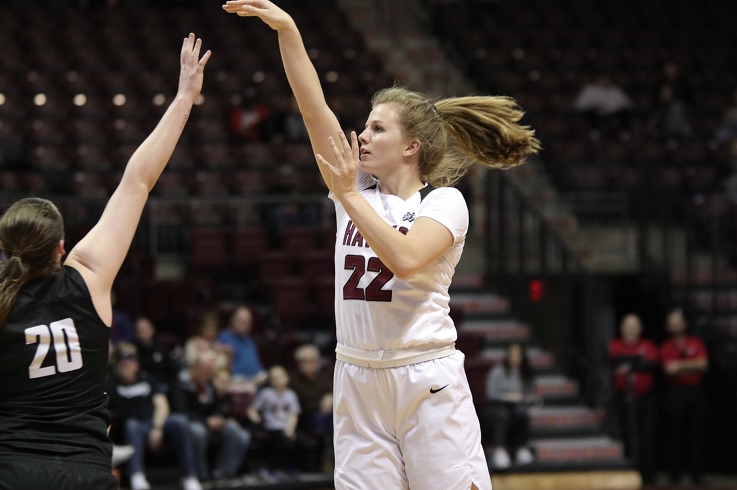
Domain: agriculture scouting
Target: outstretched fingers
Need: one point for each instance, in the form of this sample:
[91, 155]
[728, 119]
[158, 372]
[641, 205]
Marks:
[203, 61]
[326, 164]
[241, 7]
[191, 48]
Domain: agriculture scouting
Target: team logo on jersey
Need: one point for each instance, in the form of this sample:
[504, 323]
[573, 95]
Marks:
[409, 217]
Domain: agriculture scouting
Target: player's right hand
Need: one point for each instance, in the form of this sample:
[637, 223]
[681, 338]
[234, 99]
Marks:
[269, 13]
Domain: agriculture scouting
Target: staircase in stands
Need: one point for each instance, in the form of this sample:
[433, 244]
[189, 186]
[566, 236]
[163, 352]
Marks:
[566, 434]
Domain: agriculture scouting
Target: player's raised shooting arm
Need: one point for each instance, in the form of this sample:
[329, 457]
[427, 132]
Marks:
[319, 119]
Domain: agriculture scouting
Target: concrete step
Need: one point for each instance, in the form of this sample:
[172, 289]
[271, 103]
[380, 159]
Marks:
[588, 449]
[504, 330]
[565, 419]
[540, 359]
[556, 386]
[480, 303]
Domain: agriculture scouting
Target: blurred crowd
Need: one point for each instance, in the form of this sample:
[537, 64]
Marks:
[211, 405]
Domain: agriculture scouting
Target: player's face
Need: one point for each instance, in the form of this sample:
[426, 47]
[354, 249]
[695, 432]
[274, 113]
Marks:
[382, 142]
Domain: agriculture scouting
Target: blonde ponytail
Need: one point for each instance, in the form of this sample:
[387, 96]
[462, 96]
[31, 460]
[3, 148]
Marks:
[458, 132]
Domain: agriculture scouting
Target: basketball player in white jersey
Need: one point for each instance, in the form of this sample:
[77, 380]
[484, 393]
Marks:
[404, 417]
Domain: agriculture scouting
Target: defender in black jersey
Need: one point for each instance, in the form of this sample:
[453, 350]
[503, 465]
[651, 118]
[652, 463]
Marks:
[54, 319]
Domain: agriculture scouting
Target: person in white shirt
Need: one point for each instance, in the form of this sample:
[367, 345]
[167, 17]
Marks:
[403, 412]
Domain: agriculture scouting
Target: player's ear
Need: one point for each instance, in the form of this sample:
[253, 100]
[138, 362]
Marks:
[60, 248]
[412, 148]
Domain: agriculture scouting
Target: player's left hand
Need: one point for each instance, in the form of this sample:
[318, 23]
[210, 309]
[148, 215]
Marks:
[345, 168]
[192, 67]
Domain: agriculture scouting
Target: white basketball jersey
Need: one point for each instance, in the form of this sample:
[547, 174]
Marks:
[375, 310]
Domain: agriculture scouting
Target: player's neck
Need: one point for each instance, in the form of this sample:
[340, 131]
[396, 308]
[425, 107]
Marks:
[402, 188]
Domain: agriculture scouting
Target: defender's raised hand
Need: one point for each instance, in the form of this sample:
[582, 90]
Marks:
[192, 67]
[269, 13]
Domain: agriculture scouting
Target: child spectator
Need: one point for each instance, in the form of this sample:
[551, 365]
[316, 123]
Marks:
[277, 408]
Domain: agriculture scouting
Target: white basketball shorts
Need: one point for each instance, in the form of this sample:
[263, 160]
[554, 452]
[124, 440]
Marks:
[408, 427]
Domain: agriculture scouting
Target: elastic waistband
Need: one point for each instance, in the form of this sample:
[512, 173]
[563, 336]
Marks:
[75, 460]
[382, 359]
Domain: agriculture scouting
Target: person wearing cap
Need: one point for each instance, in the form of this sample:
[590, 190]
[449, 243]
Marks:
[141, 411]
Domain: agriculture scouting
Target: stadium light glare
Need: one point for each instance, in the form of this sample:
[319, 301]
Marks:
[39, 99]
[119, 100]
[80, 100]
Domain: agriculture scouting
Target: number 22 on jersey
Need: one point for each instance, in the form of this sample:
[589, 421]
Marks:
[374, 291]
[68, 353]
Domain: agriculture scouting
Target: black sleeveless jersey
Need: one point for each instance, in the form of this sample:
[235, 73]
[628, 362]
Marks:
[53, 365]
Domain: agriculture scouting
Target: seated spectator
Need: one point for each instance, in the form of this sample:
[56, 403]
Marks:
[286, 122]
[196, 396]
[671, 76]
[634, 361]
[122, 329]
[153, 357]
[727, 131]
[206, 340]
[685, 360]
[668, 118]
[142, 412]
[509, 388]
[314, 388]
[605, 105]
[246, 364]
[277, 409]
[247, 117]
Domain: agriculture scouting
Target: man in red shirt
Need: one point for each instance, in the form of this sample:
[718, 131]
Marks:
[685, 360]
[634, 361]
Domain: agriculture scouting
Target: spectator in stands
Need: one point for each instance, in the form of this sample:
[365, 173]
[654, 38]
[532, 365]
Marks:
[142, 413]
[277, 409]
[313, 385]
[727, 131]
[196, 396]
[153, 357]
[729, 170]
[123, 328]
[671, 76]
[634, 361]
[605, 106]
[668, 118]
[246, 361]
[225, 401]
[286, 124]
[247, 118]
[685, 360]
[509, 388]
[206, 340]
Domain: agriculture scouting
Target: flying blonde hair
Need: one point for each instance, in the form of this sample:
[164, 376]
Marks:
[457, 132]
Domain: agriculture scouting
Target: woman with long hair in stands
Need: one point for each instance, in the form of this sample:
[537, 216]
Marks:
[404, 416]
[55, 319]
